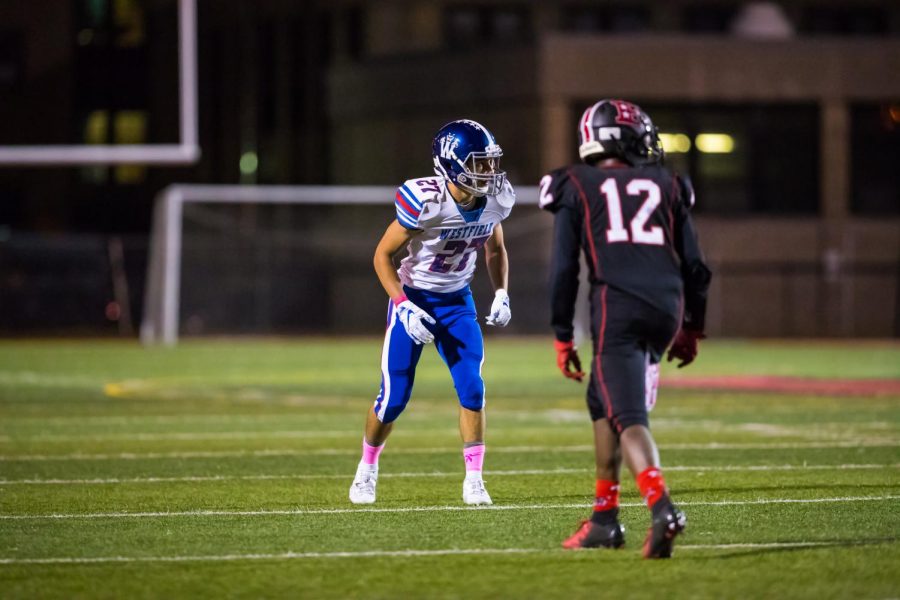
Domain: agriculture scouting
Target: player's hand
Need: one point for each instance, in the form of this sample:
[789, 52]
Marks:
[500, 314]
[684, 348]
[413, 320]
[566, 356]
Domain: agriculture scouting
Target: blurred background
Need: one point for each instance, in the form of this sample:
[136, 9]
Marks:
[786, 115]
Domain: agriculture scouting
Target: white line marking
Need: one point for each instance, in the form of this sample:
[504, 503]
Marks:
[195, 436]
[761, 429]
[871, 443]
[382, 553]
[414, 509]
[563, 471]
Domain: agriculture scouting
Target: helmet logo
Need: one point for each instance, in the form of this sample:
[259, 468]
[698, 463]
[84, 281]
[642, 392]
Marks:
[448, 147]
[627, 113]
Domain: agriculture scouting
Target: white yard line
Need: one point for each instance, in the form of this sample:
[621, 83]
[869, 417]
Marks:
[764, 430]
[383, 475]
[415, 509]
[872, 443]
[379, 553]
[195, 436]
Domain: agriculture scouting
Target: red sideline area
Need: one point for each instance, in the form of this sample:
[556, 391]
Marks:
[787, 385]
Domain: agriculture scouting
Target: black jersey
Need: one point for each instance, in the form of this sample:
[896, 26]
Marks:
[634, 226]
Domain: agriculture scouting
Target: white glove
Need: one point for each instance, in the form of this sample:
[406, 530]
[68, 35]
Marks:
[500, 314]
[411, 317]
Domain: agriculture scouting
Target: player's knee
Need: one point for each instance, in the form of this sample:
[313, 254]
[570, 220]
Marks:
[629, 418]
[471, 395]
[473, 403]
[393, 398]
[390, 414]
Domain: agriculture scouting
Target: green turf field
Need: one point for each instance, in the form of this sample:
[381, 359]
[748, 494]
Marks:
[221, 469]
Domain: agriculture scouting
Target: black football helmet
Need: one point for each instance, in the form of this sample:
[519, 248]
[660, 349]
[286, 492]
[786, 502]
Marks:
[618, 129]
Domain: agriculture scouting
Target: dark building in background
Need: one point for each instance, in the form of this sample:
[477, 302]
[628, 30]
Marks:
[786, 115]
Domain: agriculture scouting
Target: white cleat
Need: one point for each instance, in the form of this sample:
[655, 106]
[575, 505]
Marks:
[475, 493]
[362, 491]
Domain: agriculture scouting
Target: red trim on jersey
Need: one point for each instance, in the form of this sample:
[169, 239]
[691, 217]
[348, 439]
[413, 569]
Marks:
[600, 380]
[597, 270]
[676, 197]
[406, 205]
[587, 222]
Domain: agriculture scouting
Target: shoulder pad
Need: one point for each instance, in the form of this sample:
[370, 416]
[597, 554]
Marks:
[552, 188]
[412, 196]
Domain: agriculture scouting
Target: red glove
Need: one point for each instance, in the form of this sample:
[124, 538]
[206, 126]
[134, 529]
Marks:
[567, 355]
[684, 348]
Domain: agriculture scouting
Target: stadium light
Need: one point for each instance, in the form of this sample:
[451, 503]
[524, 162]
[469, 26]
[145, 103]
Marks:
[249, 163]
[714, 143]
[675, 142]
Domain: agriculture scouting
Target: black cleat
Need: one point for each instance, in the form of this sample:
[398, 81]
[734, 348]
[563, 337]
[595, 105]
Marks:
[661, 537]
[592, 535]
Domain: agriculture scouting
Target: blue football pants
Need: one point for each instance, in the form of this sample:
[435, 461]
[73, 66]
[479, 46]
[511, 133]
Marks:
[457, 338]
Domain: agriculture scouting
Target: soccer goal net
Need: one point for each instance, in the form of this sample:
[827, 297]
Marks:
[273, 260]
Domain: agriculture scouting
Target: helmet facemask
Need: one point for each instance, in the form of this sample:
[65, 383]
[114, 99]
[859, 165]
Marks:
[480, 172]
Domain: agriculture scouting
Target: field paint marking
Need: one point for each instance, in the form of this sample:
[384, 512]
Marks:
[198, 436]
[414, 509]
[764, 430]
[563, 471]
[877, 443]
[379, 553]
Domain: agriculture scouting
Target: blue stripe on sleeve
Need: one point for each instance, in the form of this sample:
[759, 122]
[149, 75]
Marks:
[405, 220]
[411, 198]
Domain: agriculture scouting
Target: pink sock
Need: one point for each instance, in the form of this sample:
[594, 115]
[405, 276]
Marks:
[474, 457]
[371, 453]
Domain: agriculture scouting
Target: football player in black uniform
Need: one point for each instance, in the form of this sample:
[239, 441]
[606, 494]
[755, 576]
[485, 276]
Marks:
[630, 216]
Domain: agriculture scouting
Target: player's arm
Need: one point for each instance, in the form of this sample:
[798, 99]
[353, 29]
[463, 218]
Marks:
[395, 237]
[696, 276]
[413, 318]
[563, 274]
[564, 271]
[498, 269]
[694, 271]
[497, 260]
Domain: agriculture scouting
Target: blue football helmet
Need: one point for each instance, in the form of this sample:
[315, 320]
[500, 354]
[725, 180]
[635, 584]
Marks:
[467, 154]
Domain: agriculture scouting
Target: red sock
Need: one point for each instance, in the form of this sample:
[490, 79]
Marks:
[653, 487]
[607, 495]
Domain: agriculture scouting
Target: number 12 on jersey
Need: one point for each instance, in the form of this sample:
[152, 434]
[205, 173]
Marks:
[640, 233]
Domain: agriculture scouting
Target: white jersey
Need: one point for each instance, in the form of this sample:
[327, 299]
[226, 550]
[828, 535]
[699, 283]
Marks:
[442, 257]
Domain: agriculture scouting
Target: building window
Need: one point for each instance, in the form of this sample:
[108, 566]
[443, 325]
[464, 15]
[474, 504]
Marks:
[584, 18]
[475, 25]
[874, 156]
[115, 127]
[744, 159]
[708, 18]
[845, 20]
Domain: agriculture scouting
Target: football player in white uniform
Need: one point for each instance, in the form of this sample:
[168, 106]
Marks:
[442, 220]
